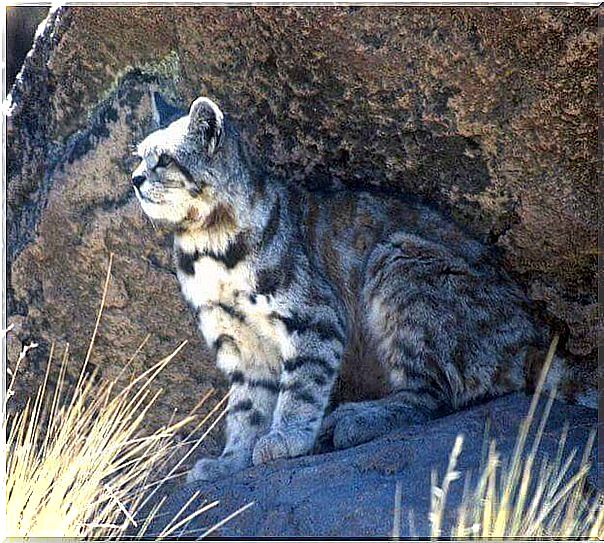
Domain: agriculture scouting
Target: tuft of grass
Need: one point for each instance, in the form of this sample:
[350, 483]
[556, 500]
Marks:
[523, 497]
[77, 467]
[78, 464]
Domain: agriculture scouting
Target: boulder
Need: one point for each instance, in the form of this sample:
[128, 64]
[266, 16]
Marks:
[21, 25]
[487, 113]
[351, 493]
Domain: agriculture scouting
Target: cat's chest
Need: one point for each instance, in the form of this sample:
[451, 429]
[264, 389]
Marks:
[205, 281]
[225, 303]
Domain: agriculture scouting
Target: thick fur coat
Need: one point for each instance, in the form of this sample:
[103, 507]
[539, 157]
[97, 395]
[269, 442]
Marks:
[286, 284]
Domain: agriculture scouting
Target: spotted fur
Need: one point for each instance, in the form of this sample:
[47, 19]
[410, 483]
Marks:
[286, 284]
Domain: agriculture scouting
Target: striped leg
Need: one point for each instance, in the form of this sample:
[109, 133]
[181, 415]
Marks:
[306, 382]
[251, 402]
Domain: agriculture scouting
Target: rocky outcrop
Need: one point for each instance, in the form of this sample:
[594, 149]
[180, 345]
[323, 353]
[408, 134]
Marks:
[487, 113]
[21, 25]
[351, 493]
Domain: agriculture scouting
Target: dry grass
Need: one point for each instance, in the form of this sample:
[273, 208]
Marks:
[523, 497]
[78, 464]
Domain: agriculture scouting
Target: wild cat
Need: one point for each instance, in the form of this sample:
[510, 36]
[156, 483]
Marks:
[286, 284]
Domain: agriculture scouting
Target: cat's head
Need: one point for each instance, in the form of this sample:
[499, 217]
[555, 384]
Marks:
[184, 170]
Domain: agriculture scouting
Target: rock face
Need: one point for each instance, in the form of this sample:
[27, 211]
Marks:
[21, 25]
[351, 493]
[487, 113]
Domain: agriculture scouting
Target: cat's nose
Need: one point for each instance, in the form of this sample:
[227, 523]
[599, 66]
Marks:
[138, 180]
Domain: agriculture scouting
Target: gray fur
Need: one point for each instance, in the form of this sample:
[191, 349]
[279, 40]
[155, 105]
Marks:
[284, 281]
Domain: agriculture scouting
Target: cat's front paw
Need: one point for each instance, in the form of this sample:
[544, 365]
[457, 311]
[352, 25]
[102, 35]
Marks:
[283, 443]
[270, 447]
[212, 469]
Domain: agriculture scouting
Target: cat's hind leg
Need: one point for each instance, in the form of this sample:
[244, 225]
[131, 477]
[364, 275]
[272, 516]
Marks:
[355, 423]
[446, 331]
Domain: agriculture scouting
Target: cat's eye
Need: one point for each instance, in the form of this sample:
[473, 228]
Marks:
[164, 161]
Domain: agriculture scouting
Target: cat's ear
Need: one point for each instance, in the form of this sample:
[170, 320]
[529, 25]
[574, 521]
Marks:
[163, 112]
[207, 121]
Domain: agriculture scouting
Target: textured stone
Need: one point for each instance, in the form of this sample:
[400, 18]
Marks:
[487, 113]
[351, 493]
[21, 25]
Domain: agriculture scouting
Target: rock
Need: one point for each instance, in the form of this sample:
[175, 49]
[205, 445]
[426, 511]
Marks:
[494, 124]
[13, 345]
[21, 25]
[351, 493]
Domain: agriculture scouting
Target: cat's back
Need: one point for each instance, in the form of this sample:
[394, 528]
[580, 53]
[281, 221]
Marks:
[343, 227]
